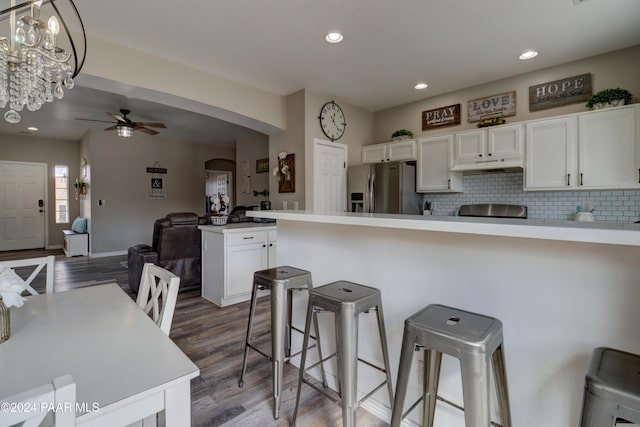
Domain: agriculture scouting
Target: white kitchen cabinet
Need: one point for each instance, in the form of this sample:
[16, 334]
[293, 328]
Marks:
[230, 256]
[433, 174]
[389, 152]
[586, 151]
[551, 154]
[608, 148]
[494, 147]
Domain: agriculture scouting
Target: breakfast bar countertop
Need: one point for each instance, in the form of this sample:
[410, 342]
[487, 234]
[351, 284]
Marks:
[570, 231]
[238, 227]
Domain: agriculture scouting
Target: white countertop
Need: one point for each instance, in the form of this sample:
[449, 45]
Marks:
[572, 231]
[237, 227]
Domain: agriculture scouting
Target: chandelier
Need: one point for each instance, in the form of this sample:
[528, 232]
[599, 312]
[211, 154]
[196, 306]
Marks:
[39, 58]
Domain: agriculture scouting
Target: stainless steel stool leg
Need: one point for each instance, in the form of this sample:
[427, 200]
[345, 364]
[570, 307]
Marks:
[278, 333]
[303, 357]
[320, 357]
[385, 351]
[432, 364]
[346, 324]
[500, 376]
[406, 355]
[247, 342]
[597, 412]
[476, 390]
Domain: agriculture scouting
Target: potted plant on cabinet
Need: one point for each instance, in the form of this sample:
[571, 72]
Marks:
[609, 98]
[402, 134]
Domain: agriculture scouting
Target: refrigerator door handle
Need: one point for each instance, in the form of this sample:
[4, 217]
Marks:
[372, 199]
[366, 207]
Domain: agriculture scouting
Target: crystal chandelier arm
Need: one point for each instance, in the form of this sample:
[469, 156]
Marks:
[77, 67]
[53, 57]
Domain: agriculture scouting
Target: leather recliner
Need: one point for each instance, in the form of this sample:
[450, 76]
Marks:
[176, 247]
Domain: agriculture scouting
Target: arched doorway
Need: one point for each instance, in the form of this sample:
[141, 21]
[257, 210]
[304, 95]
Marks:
[220, 178]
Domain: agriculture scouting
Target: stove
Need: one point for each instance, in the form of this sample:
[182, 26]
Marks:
[494, 210]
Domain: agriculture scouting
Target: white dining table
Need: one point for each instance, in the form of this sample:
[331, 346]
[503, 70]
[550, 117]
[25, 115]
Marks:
[125, 368]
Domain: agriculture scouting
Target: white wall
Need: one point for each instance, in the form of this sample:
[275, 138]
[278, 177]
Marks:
[557, 302]
[119, 177]
[619, 68]
[250, 148]
[52, 152]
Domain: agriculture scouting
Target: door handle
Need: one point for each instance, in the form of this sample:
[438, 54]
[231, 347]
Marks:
[568, 179]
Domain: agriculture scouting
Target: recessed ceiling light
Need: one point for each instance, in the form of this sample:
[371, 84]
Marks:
[32, 128]
[334, 37]
[421, 86]
[528, 55]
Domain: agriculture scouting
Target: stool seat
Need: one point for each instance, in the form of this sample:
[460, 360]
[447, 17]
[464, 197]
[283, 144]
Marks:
[612, 388]
[476, 340]
[347, 300]
[280, 281]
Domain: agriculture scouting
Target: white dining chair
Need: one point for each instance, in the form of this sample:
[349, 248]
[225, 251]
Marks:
[39, 263]
[158, 294]
[32, 406]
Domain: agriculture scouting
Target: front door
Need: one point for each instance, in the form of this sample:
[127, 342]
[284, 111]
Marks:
[22, 205]
[330, 176]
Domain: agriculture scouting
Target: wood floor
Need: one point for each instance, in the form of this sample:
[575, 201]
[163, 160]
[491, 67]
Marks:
[213, 338]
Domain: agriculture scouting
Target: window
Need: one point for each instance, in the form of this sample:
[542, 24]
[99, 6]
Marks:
[62, 194]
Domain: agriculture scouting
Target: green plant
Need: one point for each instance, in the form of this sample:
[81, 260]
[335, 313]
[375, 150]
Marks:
[607, 95]
[402, 132]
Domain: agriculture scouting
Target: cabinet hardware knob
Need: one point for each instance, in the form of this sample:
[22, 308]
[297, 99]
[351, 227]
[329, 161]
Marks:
[568, 179]
[479, 155]
[581, 183]
[449, 184]
[248, 238]
[264, 246]
[489, 154]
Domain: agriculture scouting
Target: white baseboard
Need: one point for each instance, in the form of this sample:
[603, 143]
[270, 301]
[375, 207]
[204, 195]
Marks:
[106, 254]
[54, 247]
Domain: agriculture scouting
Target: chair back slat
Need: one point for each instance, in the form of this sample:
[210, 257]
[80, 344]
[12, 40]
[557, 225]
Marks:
[60, 393]
[39, 263]
[158, 294]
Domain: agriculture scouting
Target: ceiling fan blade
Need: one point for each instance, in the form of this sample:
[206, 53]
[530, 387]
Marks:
[93, 120]
[117, 117]
[153, 125]
[112, 127]
[145, 130]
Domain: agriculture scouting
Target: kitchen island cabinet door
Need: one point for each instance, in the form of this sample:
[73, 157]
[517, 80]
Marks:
[551, 154]
[240, 264]
[433, 167]
[608, 149]
[229, 261]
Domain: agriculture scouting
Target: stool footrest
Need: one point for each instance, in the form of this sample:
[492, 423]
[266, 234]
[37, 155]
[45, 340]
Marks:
[334, 396]
[443, 400]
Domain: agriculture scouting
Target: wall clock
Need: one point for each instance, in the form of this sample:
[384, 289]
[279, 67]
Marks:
[332, 120]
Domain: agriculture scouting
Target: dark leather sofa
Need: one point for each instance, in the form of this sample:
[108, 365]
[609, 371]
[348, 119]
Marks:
[176, 247]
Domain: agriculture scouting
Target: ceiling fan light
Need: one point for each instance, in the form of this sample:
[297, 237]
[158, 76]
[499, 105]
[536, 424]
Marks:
[124, 131]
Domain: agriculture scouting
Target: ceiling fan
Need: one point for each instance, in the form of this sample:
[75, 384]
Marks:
[125, 126]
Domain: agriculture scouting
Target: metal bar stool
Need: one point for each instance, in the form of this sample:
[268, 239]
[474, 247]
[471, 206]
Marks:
[474, 339]
[612, 388]
[281, 281]
[346, 300]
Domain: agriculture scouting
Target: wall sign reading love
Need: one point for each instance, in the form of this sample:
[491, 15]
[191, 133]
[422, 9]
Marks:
[504, 104]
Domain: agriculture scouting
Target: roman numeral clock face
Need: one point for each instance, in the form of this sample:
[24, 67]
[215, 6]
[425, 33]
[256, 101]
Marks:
[332, 121]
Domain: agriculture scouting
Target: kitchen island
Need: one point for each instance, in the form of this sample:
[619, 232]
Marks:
[230, 255]
[560, 289]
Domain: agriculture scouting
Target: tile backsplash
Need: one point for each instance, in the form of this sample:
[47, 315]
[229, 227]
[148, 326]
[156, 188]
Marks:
[506, 188]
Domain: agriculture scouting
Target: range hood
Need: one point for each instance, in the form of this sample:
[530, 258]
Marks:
[497, 165]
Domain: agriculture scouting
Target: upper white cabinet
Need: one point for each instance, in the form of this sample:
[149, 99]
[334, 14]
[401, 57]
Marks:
[389, 152]
[594, 150]
[433, 169]
[552, 154]
[500, 146]
[608, 149]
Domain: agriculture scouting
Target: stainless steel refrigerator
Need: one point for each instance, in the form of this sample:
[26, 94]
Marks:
[383, 188]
